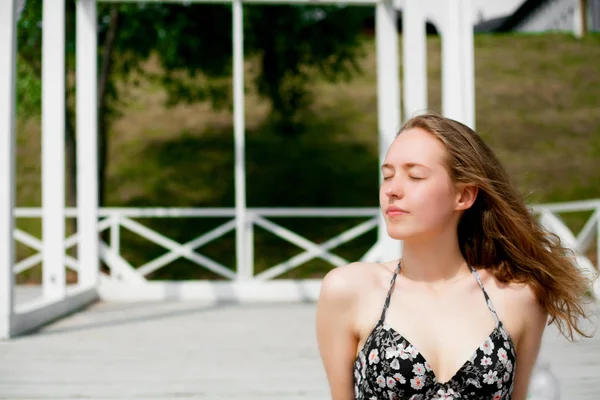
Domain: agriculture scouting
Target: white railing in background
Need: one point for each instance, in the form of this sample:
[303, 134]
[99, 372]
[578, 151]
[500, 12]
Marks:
[115, 219]
[121, 271]
[581, 242]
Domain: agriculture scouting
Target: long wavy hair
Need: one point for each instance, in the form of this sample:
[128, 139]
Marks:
[499, 232]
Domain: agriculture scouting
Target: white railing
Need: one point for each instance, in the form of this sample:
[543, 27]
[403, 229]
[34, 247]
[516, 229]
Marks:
[115, 219]
[122, 271]
[582, 242]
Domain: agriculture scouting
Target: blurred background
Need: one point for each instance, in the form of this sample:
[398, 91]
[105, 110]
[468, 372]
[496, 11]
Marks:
[165, 116]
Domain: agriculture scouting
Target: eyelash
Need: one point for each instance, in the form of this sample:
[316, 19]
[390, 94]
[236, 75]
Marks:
[414, 178]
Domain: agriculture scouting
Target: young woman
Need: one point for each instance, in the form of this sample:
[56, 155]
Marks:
[462, 314]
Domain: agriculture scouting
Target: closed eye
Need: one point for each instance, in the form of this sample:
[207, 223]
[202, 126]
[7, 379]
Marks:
[416, 178]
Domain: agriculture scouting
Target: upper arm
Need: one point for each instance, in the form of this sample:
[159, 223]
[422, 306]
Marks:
[529, 342]
[336, 336]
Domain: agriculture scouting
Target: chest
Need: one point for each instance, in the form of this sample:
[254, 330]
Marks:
[446, 329]
[393, 367]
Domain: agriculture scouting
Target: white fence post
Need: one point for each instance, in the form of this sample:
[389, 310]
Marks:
[53, 148]
[458, 88]
[598, 239]
[7, 162]
[249, 236]
[388, 102]
[468, 61]
[115, 235]
[579, 18]
[414, 49]
[87, 143]
[239, 131]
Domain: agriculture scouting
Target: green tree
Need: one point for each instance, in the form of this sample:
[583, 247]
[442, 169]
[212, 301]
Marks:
[197, 39]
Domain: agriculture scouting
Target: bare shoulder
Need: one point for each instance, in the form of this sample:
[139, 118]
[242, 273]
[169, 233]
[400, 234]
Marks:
[513, 294]
[350, 294]
[521, 296]
[347, 282]
[517, 304]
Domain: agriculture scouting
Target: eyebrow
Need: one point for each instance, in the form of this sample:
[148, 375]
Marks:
[405, 165]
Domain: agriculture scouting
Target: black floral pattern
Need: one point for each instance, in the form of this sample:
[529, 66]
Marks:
[390, 367]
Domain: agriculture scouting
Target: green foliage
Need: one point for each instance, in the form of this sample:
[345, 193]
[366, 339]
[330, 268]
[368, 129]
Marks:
[296, 42]
[29, 91]
[192, 40]
[29, 61]
[196, 39]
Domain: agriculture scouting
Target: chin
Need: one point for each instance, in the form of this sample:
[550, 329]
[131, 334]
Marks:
[399, 233]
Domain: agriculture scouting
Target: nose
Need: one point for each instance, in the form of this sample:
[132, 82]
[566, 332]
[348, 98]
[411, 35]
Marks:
[393, 188]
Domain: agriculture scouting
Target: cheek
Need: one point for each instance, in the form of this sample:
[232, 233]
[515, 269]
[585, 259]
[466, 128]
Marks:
[433, 201]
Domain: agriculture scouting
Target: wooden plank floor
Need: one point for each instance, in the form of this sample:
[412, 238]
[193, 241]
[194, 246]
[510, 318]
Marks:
[192, 350]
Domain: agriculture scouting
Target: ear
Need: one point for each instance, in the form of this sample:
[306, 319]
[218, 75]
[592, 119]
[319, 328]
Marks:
[466, 196]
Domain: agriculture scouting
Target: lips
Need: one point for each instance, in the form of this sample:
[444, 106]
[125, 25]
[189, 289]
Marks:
[394, 211]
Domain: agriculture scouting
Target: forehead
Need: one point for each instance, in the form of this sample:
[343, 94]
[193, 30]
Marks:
[416, 146]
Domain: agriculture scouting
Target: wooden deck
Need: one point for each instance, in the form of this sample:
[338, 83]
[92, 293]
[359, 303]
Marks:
[191, 350]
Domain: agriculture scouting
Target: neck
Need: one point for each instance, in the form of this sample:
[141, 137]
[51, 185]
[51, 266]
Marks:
[437, 259]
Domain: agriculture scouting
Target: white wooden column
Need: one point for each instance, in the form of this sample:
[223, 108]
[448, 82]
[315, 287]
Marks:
[458, 80]
[414, 46]
[87, 142]
[580, 14]
[468, 60]
[244, 266]
[7, 161]
[388, 102]
[53, 148]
